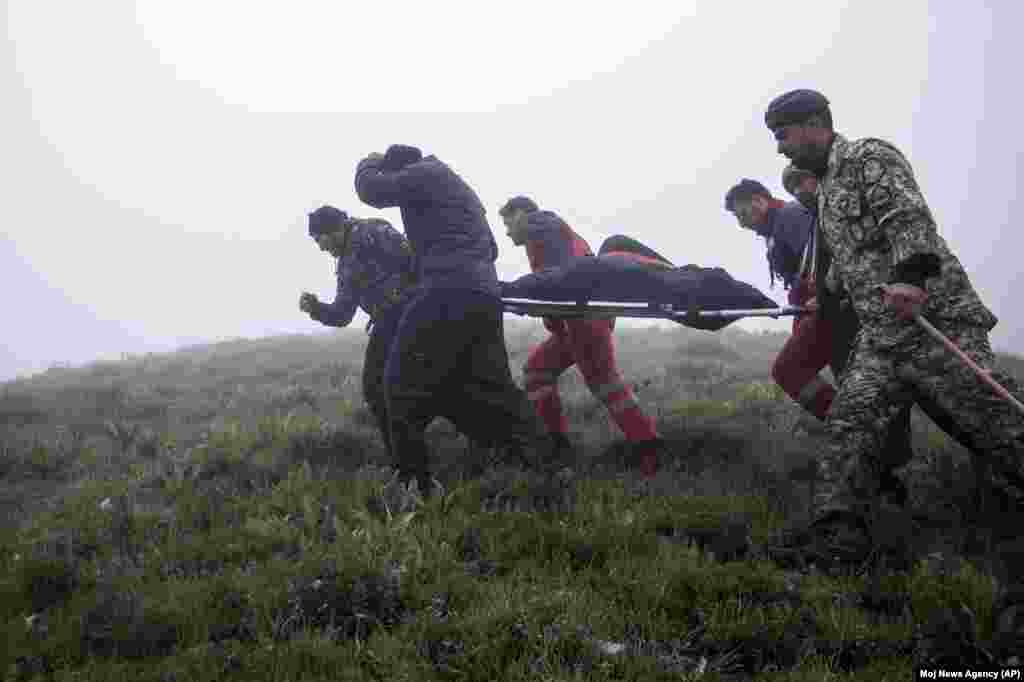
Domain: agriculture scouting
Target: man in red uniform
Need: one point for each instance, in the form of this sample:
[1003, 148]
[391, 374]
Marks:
[787, 229]
[826, 337]
[588, 344]
[811, 346]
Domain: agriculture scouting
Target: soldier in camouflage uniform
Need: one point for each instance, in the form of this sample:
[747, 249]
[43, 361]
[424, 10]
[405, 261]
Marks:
[449, 351]
[828, 337]
[891, 261]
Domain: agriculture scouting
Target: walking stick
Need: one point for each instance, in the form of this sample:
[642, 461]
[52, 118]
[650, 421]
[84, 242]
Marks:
[982, 374]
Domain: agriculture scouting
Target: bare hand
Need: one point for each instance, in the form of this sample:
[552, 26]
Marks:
[307, 302]
[904, 299]
[375, 156]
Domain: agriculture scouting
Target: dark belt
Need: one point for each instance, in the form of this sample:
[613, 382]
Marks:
[397, 295]
[388, 305]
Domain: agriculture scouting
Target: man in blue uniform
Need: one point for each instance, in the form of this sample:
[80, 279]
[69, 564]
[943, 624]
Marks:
[449, 352]
[374, 270]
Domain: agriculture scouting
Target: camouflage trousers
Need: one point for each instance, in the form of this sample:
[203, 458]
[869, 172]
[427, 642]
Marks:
[880, 382]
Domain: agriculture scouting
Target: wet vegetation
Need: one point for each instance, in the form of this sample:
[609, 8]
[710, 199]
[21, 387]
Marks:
[226, 512]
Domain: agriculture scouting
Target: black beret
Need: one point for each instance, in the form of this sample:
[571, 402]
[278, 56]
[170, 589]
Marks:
[794, 107]
[745, 189]
[399, 156]
[326, 219]
[519, 203]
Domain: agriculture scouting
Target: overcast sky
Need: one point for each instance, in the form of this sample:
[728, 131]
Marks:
[159, 157]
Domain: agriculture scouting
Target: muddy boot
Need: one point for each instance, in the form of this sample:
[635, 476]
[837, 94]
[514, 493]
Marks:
[562, 450]
[842, 540]
[526, 455]
[831, 542]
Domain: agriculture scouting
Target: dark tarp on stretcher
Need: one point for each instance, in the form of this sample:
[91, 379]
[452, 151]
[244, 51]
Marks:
[617, 279]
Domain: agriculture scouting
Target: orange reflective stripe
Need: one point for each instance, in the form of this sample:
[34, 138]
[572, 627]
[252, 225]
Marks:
[604, 391]
[540, 377]
[622, 405]
[540, 393]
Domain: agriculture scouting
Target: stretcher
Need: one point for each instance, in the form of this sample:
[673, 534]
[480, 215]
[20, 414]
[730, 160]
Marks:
[628, 279]
[691, 317]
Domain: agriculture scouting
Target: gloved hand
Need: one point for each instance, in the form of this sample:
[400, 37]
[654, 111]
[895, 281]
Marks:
[308, 303]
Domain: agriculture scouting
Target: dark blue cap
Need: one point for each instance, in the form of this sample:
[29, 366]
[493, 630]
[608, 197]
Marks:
[745, 189]
[519, 203]
[326, 219]
[794, 107]
[399, 156]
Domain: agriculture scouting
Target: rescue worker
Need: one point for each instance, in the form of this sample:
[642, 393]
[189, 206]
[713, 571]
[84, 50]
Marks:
[816, 342]
[887, 255]
[788, 230]
[374, 269]
[587, 344]
[784, 226]
[449, 352]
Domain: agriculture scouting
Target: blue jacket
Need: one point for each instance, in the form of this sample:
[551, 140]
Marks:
[444, 221]
[372, 273]
[787, 230]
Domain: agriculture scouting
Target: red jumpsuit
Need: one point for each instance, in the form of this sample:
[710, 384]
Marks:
[798, 365]
[585, 343]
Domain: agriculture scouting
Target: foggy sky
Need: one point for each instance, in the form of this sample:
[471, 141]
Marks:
[157, 169]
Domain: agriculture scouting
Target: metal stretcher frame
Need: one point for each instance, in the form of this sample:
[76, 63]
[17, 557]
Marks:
[600, 309]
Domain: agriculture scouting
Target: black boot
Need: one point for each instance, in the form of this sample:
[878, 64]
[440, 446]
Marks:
[423, 480]
[1008, 571]
[411, 455]
[562, 449]
[893, 490]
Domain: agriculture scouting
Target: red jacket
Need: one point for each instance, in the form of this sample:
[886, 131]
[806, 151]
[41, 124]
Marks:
[551, 243]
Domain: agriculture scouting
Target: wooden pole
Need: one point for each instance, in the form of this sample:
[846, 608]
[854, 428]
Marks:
[982, 374]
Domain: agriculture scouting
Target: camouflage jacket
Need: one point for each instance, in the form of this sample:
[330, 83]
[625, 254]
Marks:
[879, 230]
[374, 271]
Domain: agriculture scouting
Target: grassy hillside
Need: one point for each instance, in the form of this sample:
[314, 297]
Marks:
[223, 513]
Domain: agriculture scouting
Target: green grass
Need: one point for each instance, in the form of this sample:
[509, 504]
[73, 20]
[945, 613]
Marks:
[264, 545]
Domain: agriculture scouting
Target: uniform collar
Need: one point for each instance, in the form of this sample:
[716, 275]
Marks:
[836, 155]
